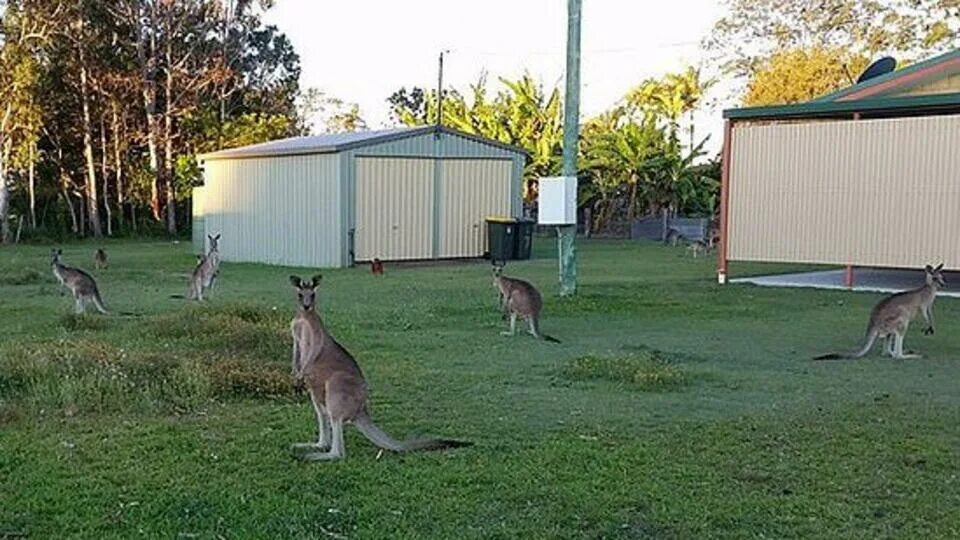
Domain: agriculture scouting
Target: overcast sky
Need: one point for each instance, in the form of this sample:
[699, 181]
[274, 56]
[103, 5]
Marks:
[363, 50]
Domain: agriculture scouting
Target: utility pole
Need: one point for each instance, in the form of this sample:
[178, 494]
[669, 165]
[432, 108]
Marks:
[440, 89]
[567, 234]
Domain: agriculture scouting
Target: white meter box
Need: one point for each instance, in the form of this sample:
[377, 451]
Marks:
[557, 201]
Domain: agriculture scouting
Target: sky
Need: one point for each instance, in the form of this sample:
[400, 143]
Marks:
[362, 50]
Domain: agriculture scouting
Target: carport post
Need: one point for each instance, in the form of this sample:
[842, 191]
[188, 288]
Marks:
[724, 202]
[848, 276]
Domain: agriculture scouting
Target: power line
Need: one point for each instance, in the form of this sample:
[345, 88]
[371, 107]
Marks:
[616, 50]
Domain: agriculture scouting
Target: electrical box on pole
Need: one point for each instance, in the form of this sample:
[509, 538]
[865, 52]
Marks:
[557, 200]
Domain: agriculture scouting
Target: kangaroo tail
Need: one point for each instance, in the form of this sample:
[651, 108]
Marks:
[98, 302]
[380, 438]
[541, 335]
[868, 342]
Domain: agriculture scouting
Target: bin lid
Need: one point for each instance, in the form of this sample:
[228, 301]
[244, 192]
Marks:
[500, 219]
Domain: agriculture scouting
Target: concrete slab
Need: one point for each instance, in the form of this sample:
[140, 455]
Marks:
[864, 279]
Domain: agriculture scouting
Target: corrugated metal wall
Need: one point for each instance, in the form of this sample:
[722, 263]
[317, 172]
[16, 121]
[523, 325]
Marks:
[196, 220]
[447, 146]
[470, 191]
[870, 193]
[283, 210]
[395, 208]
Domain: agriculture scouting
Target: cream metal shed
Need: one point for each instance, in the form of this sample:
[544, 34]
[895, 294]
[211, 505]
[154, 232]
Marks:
[332, 200]
[867, 176]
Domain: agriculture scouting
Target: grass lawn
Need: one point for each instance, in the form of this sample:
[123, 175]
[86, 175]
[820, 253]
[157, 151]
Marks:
[674, 408]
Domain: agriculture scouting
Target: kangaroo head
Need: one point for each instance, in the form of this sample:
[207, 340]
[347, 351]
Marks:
[935, 275]
[55, 256]
[306, 290]
[214, 241]
[497, 269]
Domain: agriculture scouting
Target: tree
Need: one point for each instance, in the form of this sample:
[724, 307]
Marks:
[799, 75]
[620, 151]
[671, 97]
[522, 114]
[753, 31]
[412, 103]
[23, 28]
[104, 104]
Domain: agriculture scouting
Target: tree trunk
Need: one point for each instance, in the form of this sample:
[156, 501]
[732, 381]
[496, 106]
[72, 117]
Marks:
[168, 143]
[83, 214]
[65, 191]
[117, 165]
[4, 197]
[147, 61]
[665, 212]
[32, 185]
[106, 178]
[92, 206]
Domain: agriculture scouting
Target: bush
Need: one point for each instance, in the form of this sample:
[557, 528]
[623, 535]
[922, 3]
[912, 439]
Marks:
[645, 370]
[85, 376]
[22, 276]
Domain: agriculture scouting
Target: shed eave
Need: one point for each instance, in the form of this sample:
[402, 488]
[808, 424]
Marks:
[816, 109]
[220, 156]
[909, 71]
[240, 153]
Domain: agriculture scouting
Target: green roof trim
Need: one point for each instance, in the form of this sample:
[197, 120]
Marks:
[813, 109]
[912, 68]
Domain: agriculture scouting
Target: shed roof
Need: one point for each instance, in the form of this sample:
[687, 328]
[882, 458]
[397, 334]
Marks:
[338, 142]
[876, 95]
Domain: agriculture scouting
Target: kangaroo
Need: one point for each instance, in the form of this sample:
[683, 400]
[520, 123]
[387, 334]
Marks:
[336, 386]
[520, 298]
[376, 267]
[100, 259]
[80, 283]
[205, 273]
[892, 315]
[699, 247]
[673, 238]
[713, 236]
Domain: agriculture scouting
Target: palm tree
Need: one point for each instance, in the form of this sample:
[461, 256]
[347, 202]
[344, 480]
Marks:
[619, 149]
[672, 97]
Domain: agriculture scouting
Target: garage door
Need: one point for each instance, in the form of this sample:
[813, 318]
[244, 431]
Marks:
[394, 209]
[471, 190]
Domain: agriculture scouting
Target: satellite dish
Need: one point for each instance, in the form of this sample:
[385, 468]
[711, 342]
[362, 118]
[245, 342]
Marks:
[880, 67]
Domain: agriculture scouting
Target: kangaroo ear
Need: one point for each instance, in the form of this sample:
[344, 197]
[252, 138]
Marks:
[939, 267]
[316, 280]
[295, 281]
[928, 269]
[217, 237]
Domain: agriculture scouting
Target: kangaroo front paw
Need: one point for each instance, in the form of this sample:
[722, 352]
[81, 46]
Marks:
[928, 331]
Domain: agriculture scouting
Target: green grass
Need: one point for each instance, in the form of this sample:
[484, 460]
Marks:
[176, 421]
